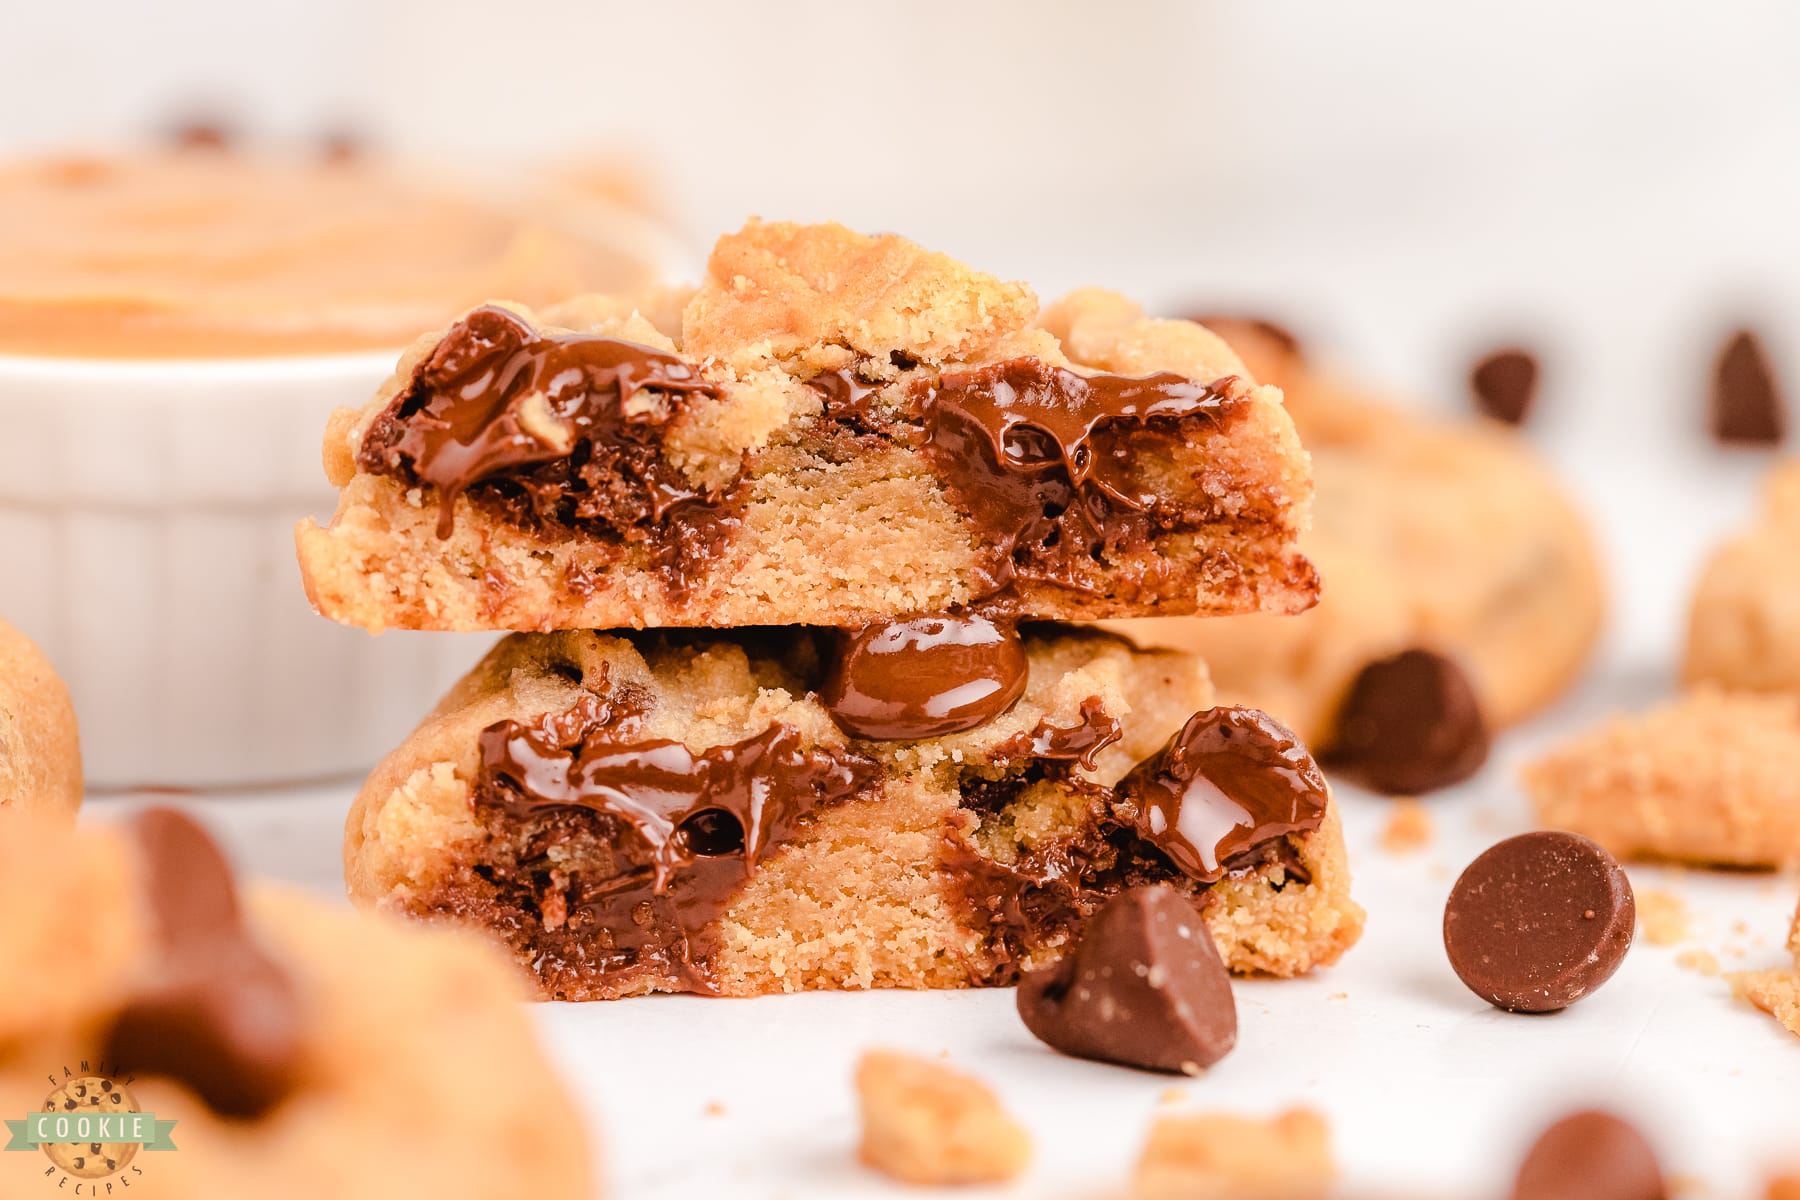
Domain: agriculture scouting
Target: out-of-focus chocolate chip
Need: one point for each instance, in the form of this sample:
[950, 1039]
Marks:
[1539, 921]
[201, 135]
[1411, 724]
[1505, 384]
[218, 1014]
[1144, 987]
[1747, 407]
[1590, 1156]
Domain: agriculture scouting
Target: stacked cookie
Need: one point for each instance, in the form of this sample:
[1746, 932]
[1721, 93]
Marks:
[792, 706]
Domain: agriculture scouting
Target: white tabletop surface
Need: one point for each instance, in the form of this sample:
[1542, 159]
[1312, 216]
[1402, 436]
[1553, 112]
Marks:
[1430, 1092]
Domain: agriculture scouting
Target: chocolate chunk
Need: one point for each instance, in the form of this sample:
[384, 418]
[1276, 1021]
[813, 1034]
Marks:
[555, 431]
[1232, 780]
[1231, 327]
[923, 677]
[1504, 384]
[218, 1015]
[1410, 724]
[1047, 462]
[1539, 921]
[1590, 1156]
[1747, 407]
[684, 828]
[1144, 987]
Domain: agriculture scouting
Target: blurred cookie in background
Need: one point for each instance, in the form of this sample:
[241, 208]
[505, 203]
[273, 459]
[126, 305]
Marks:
[1450, 539]
[1744, 623]
[40, 747]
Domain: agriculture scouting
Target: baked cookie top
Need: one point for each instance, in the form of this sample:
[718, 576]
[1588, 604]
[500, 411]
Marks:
[832, 428]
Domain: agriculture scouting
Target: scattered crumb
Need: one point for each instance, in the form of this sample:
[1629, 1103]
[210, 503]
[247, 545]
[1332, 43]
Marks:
[1218, 1156]
[714, 1108]
[1740, 927]
[1171, 1096]
[1687, 1185]
[1339, 996]
[925, 1124]
[1784, 1187]
[1703, 961]
[1408, 829]
[1664, 917]
[1438, 871]
[1775, 992]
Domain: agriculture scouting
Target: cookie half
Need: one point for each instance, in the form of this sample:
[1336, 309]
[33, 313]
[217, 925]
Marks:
[684, 812]
[834, 428]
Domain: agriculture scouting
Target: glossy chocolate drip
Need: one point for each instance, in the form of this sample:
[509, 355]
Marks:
[1230, 781]
[1081, 742]
[923, 677]
[849, 400]
[218, 1014]
[1045, 892]
[683, 830]
[1044, 459]
[558, 430]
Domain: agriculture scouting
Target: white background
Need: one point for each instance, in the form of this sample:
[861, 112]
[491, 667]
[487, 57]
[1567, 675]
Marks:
[1408, 181]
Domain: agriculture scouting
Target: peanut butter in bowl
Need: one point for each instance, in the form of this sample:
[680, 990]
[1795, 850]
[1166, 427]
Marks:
[209, 254]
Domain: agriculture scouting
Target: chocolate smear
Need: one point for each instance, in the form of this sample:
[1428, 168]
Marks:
[218, 1014]
[1410, 724]
[1747, 407]
[684, 828]
[1048, 462]
[1079, 743]
[562, 431]
[1539, 921]
[1230, 781]
[1144, 987]
[1504, 384]
[923, 677]
[1590, 1155]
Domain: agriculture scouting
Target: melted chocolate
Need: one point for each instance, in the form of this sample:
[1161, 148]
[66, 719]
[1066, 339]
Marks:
[561, 431]
[849, 401]
[683, 830]
[1046, 893]
[922, 677]
[218, 1014]
[1081, 742]
[1045, 459]
[1232, 780]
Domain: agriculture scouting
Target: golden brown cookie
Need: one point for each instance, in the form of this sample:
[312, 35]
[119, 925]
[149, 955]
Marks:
[1712, 777]
[686, 812]
[1449, 538]
[839, 428]
[40, 749]
[300, 1050]
[1744, 624]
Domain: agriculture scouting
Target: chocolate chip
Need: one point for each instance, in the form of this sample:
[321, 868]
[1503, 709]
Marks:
[1539, 921]
[1144, 987]
[217, 1014]
[1230, 326]
[1505, 384]
[1410, 724]
[1747, 407]
[1590, 1156]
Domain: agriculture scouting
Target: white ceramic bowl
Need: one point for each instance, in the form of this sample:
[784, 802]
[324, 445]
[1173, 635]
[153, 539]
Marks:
[147, 511]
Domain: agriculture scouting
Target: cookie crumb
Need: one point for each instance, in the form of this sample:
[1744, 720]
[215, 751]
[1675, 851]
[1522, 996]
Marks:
[1775, 992]
[714, 1108]
[1703, 961]
[1664, 918]
[1171, 1096]
[1408, 829]
[925, 1124]
[1220, 1156]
